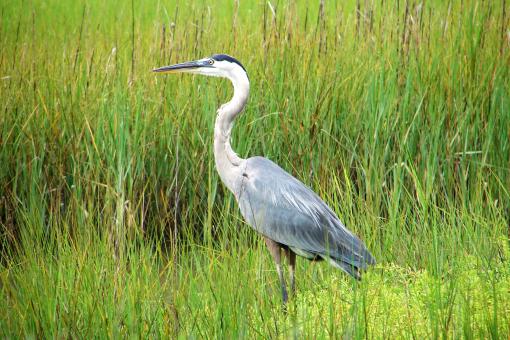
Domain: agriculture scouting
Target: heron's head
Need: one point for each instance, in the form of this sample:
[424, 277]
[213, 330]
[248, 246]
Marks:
[218, 65]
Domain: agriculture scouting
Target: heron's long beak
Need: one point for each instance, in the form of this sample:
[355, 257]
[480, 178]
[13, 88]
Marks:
[183, 67]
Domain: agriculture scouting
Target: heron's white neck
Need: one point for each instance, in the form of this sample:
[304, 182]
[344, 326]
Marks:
[228, 163]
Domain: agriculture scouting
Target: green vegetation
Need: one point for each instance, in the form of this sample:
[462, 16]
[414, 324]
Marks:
[114, 221]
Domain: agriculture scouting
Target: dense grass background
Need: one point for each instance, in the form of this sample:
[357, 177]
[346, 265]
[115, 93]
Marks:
[113, 219]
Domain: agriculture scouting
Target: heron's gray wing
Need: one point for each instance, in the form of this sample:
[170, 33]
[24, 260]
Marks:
[282, 208]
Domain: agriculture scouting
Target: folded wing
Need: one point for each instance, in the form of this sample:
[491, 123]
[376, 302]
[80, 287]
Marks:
[282, 208]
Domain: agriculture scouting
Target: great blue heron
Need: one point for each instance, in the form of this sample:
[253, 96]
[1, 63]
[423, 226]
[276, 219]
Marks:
[288, 214]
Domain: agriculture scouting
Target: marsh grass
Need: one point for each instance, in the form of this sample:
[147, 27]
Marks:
[114, 222]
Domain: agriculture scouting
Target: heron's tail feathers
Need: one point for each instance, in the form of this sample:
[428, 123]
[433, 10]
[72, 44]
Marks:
[346, 267]
[353, 268]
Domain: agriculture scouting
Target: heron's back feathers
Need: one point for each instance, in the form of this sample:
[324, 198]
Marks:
[285, 210]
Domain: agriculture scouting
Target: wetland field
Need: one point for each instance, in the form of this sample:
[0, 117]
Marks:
[114, 222]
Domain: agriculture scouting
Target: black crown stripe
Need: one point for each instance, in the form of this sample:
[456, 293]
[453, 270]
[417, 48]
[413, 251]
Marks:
[225, 57]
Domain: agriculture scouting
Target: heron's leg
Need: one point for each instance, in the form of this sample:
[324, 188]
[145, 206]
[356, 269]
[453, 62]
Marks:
[291, 256]
[274, 249]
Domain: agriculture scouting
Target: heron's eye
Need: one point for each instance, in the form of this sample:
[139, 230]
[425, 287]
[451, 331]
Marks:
[211, 61]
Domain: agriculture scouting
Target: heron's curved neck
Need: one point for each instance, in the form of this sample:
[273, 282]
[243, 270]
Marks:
[227, 161]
